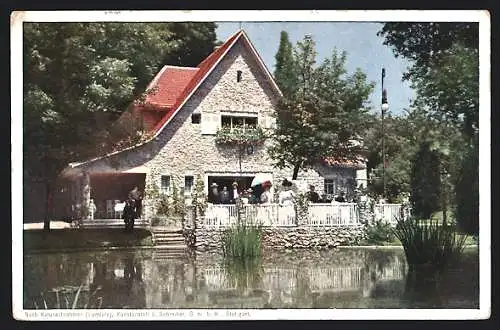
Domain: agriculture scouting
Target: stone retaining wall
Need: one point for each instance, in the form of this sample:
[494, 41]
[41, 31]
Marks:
[206, 239]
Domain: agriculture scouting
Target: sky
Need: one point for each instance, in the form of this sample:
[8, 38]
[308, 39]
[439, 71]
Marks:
[359, 39]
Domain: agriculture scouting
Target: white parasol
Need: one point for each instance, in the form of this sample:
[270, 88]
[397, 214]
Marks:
[262, 178]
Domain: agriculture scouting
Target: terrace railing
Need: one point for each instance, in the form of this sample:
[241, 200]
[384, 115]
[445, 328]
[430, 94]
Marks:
[269, 215]
[276, 215]
[340, 214]
[390, 213]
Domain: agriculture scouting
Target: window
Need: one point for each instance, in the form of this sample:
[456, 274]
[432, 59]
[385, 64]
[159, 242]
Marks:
[188, 184]
[195, 118]
[232, 122]
[330, 187]
[165, 184]
[238, 75]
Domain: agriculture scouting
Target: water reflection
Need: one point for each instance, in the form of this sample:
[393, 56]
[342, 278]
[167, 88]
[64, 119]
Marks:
[289, 279]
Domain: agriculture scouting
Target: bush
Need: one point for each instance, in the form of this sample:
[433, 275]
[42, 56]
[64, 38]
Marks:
[430, 243]
[379, 232]
[242, 241]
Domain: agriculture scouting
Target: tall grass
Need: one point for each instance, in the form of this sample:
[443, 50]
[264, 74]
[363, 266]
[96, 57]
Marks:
[242, 241]
[432, 244]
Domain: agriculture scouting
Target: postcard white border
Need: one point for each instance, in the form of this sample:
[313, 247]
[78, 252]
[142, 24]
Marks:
[481, 16]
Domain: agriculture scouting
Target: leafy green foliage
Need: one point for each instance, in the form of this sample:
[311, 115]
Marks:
[323, 115]
[421, 42]
[284, 73]
[191, 42]
[449, 90]
[378, 233]
[199, 200]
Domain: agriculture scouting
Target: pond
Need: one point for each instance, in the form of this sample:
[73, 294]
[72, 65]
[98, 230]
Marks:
[344, 278]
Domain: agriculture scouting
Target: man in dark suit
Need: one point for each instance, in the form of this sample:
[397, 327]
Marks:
[213, 195]
[312, 195]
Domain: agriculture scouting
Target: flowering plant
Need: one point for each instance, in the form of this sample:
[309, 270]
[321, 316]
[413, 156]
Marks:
[226, 135]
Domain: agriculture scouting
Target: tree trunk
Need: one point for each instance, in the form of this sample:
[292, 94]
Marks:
[295, 171]
[48, 206]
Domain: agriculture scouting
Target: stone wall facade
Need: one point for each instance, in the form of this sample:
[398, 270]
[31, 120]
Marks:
[188, 149]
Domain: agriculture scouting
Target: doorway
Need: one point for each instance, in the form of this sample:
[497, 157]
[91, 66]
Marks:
[244, 182]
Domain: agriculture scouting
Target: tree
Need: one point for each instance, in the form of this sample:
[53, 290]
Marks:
[444, 68]
[398, 150]
[191, 42]
[421, 42]
[444, 71]
[467, 193]
[425, 182]
[324, 114]
[78, 78]
[284, 73]
[450, 88]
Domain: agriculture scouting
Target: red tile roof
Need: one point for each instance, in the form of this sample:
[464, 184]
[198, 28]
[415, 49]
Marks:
[168, 86]
[360, 164]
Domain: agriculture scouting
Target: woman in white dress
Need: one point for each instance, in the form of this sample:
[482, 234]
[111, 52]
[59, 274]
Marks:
[264, 214]
[286, 201]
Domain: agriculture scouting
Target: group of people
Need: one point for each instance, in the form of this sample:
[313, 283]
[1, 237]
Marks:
[226, 196]
[314, 197]
[262, 194]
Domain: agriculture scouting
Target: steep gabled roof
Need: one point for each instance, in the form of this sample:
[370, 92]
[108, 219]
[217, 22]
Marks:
[167, 87]
[171, 79]
[205, 68]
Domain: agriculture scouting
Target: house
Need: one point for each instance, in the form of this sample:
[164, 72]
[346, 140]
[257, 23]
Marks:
[184, 115]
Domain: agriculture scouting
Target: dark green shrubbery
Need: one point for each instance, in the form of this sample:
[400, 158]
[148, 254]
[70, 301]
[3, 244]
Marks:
[429, 243]
[378, 233]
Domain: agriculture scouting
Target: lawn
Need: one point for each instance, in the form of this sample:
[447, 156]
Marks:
[70, 238]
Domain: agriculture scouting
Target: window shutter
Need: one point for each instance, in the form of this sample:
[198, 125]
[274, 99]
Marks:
[263, 122]
[209, 123]
[267, 122]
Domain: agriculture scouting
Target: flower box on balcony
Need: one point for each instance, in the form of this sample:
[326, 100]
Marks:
[253, 136]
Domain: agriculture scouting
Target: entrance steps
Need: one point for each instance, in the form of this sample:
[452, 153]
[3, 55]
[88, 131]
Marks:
[168, 238]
